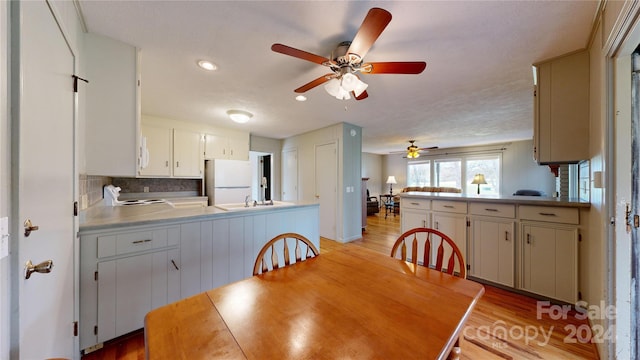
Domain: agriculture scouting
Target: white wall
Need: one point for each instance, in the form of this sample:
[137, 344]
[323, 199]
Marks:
[305, 145]
[372, 169]
[519, 171]
[5, 145]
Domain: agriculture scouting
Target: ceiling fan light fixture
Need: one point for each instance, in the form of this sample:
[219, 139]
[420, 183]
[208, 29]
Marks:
[412, 154]
[343, 94]
[342, 87]
[360, 88]
[349, 82]
[333, 87]
[239, 116]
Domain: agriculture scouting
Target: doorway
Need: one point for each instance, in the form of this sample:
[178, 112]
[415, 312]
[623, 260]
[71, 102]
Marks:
[262, 183]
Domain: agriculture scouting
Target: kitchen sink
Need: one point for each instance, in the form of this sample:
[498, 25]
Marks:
[242, 206]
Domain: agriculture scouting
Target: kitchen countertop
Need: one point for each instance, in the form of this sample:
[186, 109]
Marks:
[103, 217]
[520, 200]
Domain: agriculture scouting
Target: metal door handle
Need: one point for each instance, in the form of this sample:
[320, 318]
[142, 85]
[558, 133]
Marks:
[43, 268]
[29, 227]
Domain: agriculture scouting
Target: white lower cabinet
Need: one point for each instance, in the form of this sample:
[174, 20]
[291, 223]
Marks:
[130, 287]
[414, 213]
[133, 273]
[528, 247]
[492, 250]
[454, 226]
[550, 260]
[125, 272]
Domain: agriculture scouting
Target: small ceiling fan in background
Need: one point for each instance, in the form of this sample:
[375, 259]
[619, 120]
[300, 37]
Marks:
[347, 59]
[413, 151]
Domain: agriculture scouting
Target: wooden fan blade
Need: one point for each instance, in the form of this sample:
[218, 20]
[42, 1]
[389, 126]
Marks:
[310, 85]
[362, 96]
[428, 148]
[399, 67]
[300, 54]
[374, 23]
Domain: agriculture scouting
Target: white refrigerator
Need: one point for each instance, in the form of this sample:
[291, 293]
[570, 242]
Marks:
[227, 181]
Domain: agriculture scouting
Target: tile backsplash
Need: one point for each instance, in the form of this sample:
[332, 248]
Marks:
[134, 185]
[91, 189]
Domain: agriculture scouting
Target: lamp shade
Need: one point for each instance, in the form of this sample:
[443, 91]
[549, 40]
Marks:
[478, 179]
[391, 180]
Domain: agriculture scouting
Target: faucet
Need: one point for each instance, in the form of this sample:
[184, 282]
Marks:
[246, 201]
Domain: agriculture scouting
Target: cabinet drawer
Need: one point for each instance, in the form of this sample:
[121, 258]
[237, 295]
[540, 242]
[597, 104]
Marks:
[553, 214]
[126, 243]
[458, 207]
[489, 209]
[419, 204]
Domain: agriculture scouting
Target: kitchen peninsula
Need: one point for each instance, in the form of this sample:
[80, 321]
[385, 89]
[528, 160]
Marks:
[528, 243]
[136, 258]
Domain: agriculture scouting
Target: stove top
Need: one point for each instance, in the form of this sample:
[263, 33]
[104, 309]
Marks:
[142, 202]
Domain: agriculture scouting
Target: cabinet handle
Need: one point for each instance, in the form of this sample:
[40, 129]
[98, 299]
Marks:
[436, 225]
[416, 204]
[506, 236]
[166, 163]
[547, 214]
[424, 223]
[141, 241]
[448, 206]
[528, 239]
[177, 163]
[489, 209]
[174, 264]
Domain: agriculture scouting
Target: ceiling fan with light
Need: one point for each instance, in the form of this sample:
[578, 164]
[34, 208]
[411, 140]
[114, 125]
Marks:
[413, 151]
[347, 60]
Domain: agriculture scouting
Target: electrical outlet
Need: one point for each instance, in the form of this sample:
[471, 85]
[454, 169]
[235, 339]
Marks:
[145, 189]
[4, 237]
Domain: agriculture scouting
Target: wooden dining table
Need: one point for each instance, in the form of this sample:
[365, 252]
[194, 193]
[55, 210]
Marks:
[351, 303]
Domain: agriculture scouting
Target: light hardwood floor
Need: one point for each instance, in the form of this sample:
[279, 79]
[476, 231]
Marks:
[504, 325]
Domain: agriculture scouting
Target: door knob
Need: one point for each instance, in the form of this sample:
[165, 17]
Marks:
[43, 268]
[29, 227]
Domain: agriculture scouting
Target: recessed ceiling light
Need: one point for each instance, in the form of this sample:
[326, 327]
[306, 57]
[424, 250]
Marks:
[207, 65]
[239, 116]
[301, 98]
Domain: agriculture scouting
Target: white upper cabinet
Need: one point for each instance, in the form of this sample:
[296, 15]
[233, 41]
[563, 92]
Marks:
[234, 146]
[113, 107]
[561, 109]
[187, 153]
[156, 147]
[170, 152]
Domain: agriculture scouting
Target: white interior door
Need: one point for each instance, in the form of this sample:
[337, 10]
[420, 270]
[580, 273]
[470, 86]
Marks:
[290, 175]
[327, 188]
[45, 186]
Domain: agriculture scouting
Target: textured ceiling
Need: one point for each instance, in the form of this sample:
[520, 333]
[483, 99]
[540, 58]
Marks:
[476, 89]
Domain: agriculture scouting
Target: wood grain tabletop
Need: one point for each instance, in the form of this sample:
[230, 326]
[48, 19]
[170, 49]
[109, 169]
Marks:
[353, 303]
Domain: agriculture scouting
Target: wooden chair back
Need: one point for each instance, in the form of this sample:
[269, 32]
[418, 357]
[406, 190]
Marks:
[431, 248]
[268, 258]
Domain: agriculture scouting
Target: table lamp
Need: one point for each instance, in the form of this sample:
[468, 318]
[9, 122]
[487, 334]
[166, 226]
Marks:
[391, 180]
[479, 179]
